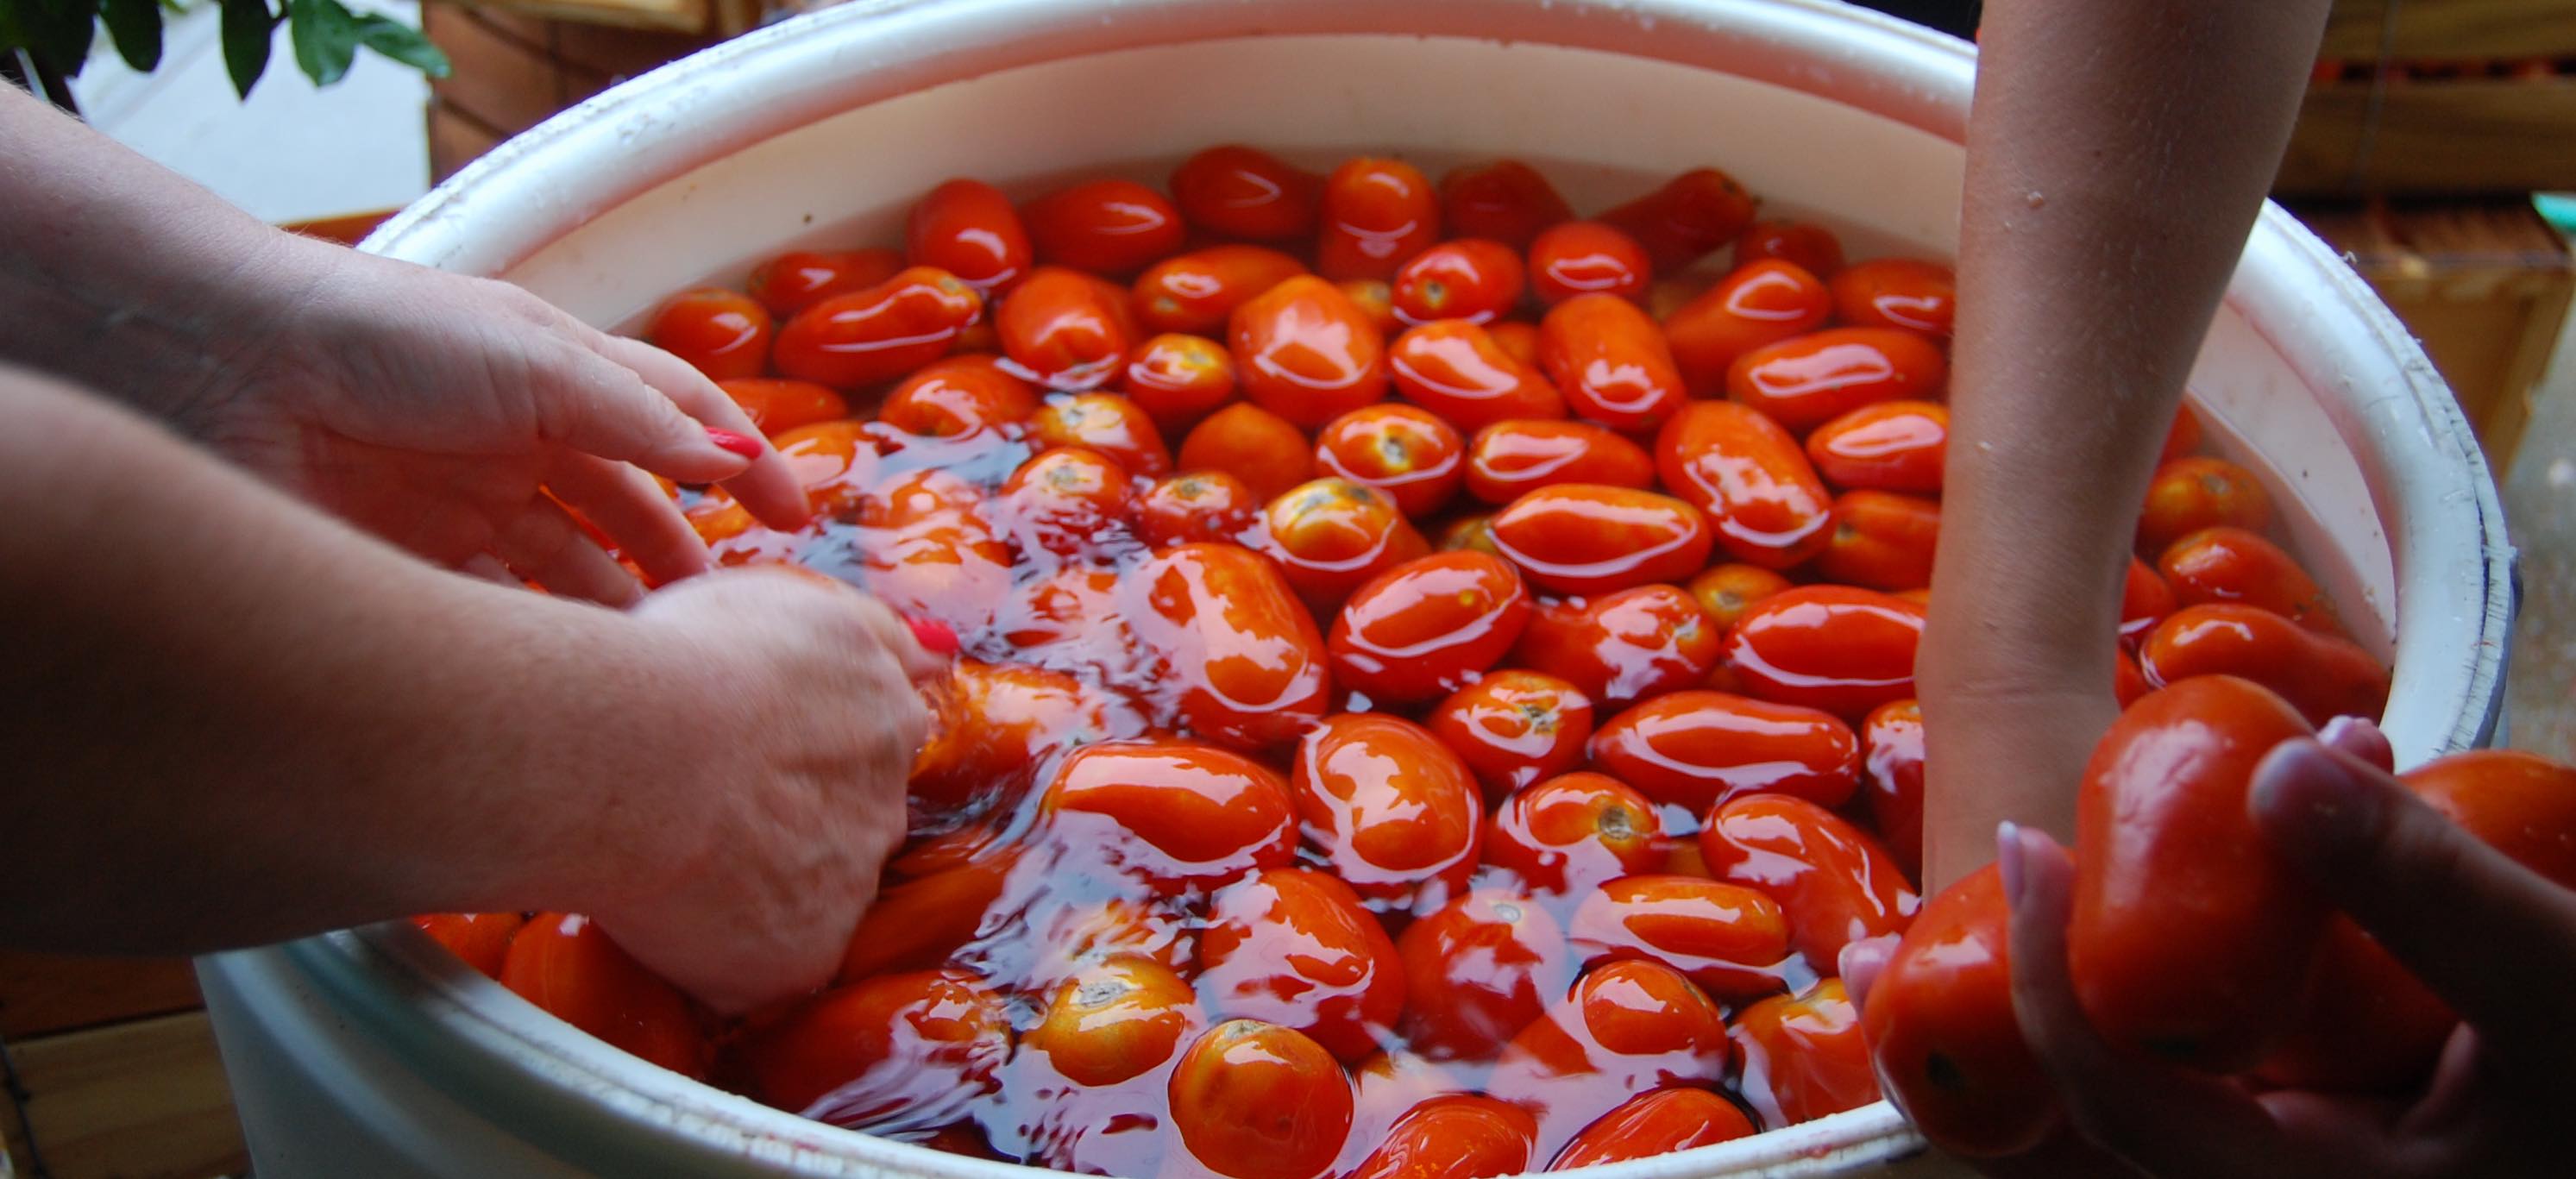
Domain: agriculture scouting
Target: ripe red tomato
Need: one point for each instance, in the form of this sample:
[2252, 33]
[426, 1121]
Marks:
[1628, 1027]
[1417, 459]
[725, 334]
[1428, 627]
[1624, 646]
[878, 334]
[1811, 247]
[1065, 328]
[1243, 652]
[1940, 1025]
[1749, 477]
[1256, 1101]
[1477, 971]
[1653, 1124]
[1890, 446]
[2183, 439]
[1726, 591]
[1513, 728]
[1244, 192]
[1834, 882]
[958, 396]
[1268, 452]
[1105, 422]
[1472, 279]
[1171, 813]
[1070, 938]
[1727, 938]
[950, 569]
[1518, 340]
[1067, 500]
[1332, 535]
[2145, 600]
[1376, 300]
[1391, 1084]
[1377, 214]
[1510, 459]
[1390, 808]
[917, 924]
[1805, 381]
[1891, 762]
[1882, 540]
[1758, 305]
[2226, 564]
[1463, 1136]
[1197, 291]
[1112, 228]
[1505, 201]
[1803, 1057]
[969, 229]
[566, 966]
[1690, 215]
[1902, 293]
[1304, 351]
[1469, 533]
[1199, 506]
[2518, 803]
[1610, 362]
[1114, 1021]
[1459, 371]
[1179, 379]
[1295, 948]
[2322, 676]
[798, 279]
[1832, 647]
[2191, 933]
[992, 721]
[1696, 749]
[2368, 1026]
[2190, 494]
[865, 1052]
[481, 939]
[1572, 832]
[1583, 257]
[1588, 538]
[1069, 618]
[837, 462]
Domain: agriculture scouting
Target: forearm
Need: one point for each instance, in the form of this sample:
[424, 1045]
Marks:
[2118, 153]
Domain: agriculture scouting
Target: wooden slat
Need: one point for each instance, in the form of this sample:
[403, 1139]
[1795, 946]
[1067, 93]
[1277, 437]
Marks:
[498, 80]
[455, 139]
[2453, 30]
[44, 993]
[2425, 138]
[143, 1100]
[678, 16]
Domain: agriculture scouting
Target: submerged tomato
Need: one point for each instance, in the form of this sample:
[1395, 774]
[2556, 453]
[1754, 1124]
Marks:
[776, 406]
[798, 279]
[917, 924]
[1513, 728]
[1199, 506]
[1692, 214]
[1390, 808]
[1510, 459]
[1832, 647]
[482, 940]
[1245, 192]
[878, 334]
[568, 967]
[1813, 247]
[1506, 201]
[1412, 456]
[1657, 1123]
[959, 396]
[1067, 329]
[1114, 1021]
[1806, 381]
[724, 334]
[1727, 591]
[1696, 749]
[868, 1052]
[2225, 564]
[1890, 446]
[1891, 760]
[1583, 538]
[1570, 833]
[1882, 540]
[1179, 379]
[1067, 501]
[1477, 971]
[1457, 370]
[1834, 882]
[1941, 1028]
[1472, 279]
[1587, 257]
[1461, 1136]
[1610, 362]
[1253, 1100]
[1107, 423]
[1428, 627]
[1903, 293]
[1266, 451]
[1199, 290]
[1628, 1027]
[1377, 214]
[1800, 1058]
[1759, 304]
[969, 229]
[1623, 646]
[1112, 228]
[1332, 535]
[1750, 478]
[2190, 494]
[1727, 938]
[1172, 813]
[1295, 948]
[1304, 351]
[2145, 600]
[994, 721]
[2321, 675]
[1247, 665]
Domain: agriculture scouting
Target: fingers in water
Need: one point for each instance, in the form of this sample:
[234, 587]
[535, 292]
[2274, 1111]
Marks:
[767, 487]
[631, 509]
[544, 544]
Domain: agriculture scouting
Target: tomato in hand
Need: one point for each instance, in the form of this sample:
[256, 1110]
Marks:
[2225, 564]
[1115, 1021]
[1505, 201]
[1584, 538]
[1756, 306]
[2368, 1026]
[1390, 808]
[568, 967]
[724, 334]
[1428, 627]
[1253, 1100]
[1172, 813]
[993, 720]
[1199, 290]
[1107, 423]
[481, 939]
[1457, 370]
[1727, 938]
[1654, 1124]
[1890, 446]
[1111, 228]
[1610, 362]
[1244, 192]
[2321, 675]
[1407, 453]
[1268, 452]
[1583, 257]
[1477, 971]
[1510, 459]
[1809, 246]
[1802, 1057]
[1067, 500]
[2190, 494]
[1624, 646]
[880, 333]
[1833, 647]
[1377, 214]
[1749, 477]
[1248, 665]
[1891, 763]
[1304, 351]
[1199, 506]
[1572, 832]
[1905, 293]
[1806, 381]
[1462, 1136]
[1726, 591]
[798, 279]
[1834, 882]
[866, 1052]
[1179, 379]
[969, 229]
[1295, 948]
[1882, 540]
[1332, 535]
[1513, 728]
[1692, 214]
[1941, 1028]
[1472, 279]
[958, 396]
[1067, 329]
[1696, 749]
[2518, 803]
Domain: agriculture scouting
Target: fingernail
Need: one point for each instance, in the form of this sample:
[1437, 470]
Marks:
[2337, 729]
[2008, 859]
[732, 443]
[2301, 791]
[933, 635]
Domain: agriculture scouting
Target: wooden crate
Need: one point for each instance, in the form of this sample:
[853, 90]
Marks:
[2439, 97]
[514, 70]
[116, 1070]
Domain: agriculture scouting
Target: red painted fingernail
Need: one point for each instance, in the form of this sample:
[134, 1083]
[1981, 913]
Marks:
[732, 443]
[933, 635]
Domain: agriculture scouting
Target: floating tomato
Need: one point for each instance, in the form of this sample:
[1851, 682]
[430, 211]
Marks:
[1513, 728]
[1428, 627]
[1696, 749]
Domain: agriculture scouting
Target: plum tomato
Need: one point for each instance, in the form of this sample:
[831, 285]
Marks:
[885, 331]
[1511, 458]
[2226, 564]
[1751, 480]
[1461, 1136]
[1472, 279]
[1727, 938]
[1376, 299]
[1756, 306]
[1726, 591]
[1172, 813]
[1891, 766]
[1198, 506]
[1069, 617]
[1070, 938]
[1332, 535]
[1890, 446]
[1428, 627]
[1067, 500]
[1833, 881]
[2145, 600]
[1882, 540]
[1514, 728]
[1241, 652]
[1115, 1020]
[1570, 833]
[1906, 293]
[1459, 371]
[991, 721]
[969, 229]
[1692, 214]
[798, 279]
[918, 924]
[2182, 439]
[959, 396]
[1833, 647]
[1477, 971]
[1294, 947]
[2518, 803]
[1654, 1124]
[482, 940]
[1304, 351]
[1253, 1100]
[1242, 192]
[1066, 329]
[1505, 201]
[1801, 1057]
[1199, 290]
[724, 334]
[1387, 805]
[1105, 422]
[568, 967]
[2369, 1025]
[1268, 452]
[867, 1052]
[1411, 455]
[1942, 1033]
[1584, 257]
[1806, 381]
[2190, 494]
[1610, 361]
[1811, 247]
[1696, 749]
[1376, 214]
[1112, 228]
[776, 406]
[1624, 646]
[2321, 675]
[1179, 379]
[1587, 538]
[1627, 1027]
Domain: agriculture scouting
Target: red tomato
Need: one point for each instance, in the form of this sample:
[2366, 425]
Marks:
[917, 924]
[725, 334]
[1832, 647]
[878, 334]
[1070, 617]
[1477, 971]
[1201, 505]
[1073, 938]
[2191, 494]
[1304, 351]
[866, 1052]
[836, 462]
[2145, 600]
[1376, 300]
[2521, 804]
[481, 939]
[1114, 1021]
[1469, 533]
[1332, 535]
[2322, 676]
[1513, 728]
[1067, 500]
[1066, 328]
[1108, 227]
[1256, 1101]
[1891, 762]
[1628, 1027]
[1268, 452]
[958, 396]
[1377, 214]
[1728, 939]
[2127, 682]
[1750, 478]
[991, 721]
[1882, 540]
[1172, 813]
[2233, 565]
[950, 569]
[1896, 293]
[1696, 749]
[1653, 1124]
[1389, 806]
[1391, 1084]
[1583, 257]
[1105, 422]
[1412, 456]
[2369, 1026]
[1940, 1025]
[1472, 279]
[1610, 362]
[1518, 340]
[1179, 379]
[1456, 369]
[1505, 201]
[1805, 381]
[565, 965]
[1690, 215]
[1244, 655]
[1759, 305]
[1725, 592]
[1835, 883]
[1197, 291]
[798, 279]
[1812, 248]
[2184, 438]
[1295, 948]
[1244, 192]
[1570, 833]
[1510, 459]
[1890, 446]
[1672, 292]
[1804, 1057]
[1588, 538]
[969, 229]
[2191, 933]
[1466, 1136]
[1426, 628]
[1623, 646]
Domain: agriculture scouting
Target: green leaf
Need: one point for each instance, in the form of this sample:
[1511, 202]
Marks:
[58, 32]
[135, 26]
[325, 36]
[402, 43]
[249, 27]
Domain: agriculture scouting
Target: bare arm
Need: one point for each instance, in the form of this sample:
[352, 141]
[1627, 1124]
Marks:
[2118, 153]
